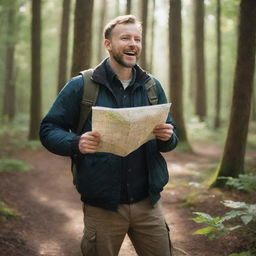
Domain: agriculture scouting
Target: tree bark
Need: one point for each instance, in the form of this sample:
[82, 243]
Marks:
[35, 100]
[144, 15]
[82, 36]
[101, 27]
[9, 88]
[128, 6]
[232, 163]
[152, 37]
[64, 35]
[176, 69]
[218, 68]
[199, 61]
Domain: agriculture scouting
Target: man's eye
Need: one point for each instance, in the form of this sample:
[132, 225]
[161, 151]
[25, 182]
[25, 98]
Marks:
[125, 38]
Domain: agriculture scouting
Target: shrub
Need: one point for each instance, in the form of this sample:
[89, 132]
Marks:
[246, 182]
[10, 165]
[219, 225]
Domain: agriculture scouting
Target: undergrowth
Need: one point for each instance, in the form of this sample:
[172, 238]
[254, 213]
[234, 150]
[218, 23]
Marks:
[12, 165]
[6, 212]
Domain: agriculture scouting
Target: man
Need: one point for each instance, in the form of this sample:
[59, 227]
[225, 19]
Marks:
[120, 194]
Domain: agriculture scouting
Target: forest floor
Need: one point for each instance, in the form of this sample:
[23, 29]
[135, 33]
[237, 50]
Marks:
[51, 222]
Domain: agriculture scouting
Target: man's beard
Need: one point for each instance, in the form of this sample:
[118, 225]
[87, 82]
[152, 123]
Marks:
[120, 61]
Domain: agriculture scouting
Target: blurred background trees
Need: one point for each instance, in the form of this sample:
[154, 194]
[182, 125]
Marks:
[190, 46]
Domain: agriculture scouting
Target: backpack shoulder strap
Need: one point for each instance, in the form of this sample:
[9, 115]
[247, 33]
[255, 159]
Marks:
[90, 94]
[152, 91]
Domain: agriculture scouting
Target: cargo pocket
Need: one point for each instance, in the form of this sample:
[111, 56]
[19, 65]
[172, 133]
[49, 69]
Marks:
[88, 244]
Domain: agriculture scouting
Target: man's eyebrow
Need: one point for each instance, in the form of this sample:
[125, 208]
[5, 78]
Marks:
[129, 34]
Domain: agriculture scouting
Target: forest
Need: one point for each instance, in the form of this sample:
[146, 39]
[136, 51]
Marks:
[202, 52]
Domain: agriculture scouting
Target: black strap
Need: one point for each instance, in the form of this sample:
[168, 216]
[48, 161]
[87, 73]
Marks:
[90, 94]
[151, 91]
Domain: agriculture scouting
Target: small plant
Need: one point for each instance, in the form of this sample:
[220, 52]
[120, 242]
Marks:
[10, 165]
[217, 226]
[246, 182]
[6, 211]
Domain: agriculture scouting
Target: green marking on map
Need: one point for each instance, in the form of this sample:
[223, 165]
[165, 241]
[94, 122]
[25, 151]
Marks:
[117, 117]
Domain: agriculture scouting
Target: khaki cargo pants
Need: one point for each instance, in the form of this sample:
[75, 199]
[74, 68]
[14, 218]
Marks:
[104, 230]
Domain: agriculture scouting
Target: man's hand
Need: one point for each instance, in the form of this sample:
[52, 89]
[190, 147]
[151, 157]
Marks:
[89, 142]
[163, 131]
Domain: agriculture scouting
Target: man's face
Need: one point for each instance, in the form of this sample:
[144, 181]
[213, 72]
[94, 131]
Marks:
[124, 46]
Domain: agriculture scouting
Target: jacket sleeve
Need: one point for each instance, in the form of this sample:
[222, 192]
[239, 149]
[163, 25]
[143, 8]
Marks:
[58, 126]
[165, 146]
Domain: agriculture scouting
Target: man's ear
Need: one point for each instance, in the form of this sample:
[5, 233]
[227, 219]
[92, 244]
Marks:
[107, 44]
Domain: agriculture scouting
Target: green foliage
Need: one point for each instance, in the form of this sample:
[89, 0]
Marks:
[246, 182]
[241, 254]
[215, 226]
[246, 213]
[6, 211]
[11, 165]
[32, 144]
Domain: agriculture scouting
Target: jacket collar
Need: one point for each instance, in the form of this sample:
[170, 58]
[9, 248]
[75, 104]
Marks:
[103, 74]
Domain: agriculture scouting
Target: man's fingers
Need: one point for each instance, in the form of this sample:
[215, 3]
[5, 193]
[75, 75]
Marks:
[163, 131]
[89, 142]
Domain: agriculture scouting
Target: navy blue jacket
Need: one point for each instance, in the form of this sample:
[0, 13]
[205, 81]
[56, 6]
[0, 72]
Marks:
[98, 178]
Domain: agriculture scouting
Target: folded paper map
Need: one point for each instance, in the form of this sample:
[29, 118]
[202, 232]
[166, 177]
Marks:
[123, 130]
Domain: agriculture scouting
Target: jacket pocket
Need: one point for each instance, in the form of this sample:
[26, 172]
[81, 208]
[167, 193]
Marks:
[97, 175]
[88, 244]
[158, 172]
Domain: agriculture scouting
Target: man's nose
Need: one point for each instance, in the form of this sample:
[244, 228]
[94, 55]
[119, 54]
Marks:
[132, 42]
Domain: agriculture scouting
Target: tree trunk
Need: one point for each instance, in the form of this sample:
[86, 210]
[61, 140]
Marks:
[128, 6]
[152, 38]
[101, 27]
[199, 61]
[35, 100]
[9, 89]
[253, 111]
[63, 54]
[144, 15]
[82, 36]
[232, 163]
[218, 68]
[176, 69]
[117, 8]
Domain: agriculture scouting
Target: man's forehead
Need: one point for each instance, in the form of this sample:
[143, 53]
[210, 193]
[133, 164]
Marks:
[127, 28]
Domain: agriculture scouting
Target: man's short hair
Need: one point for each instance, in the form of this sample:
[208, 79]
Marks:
[124, 19]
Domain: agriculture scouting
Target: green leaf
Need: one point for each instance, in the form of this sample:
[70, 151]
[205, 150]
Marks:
[246, 219]
[232, 214]
[234, 227]
[204, 231]
[202, 217]
[235, 205]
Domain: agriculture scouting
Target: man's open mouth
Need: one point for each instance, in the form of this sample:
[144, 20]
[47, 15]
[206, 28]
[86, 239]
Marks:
[130, 53]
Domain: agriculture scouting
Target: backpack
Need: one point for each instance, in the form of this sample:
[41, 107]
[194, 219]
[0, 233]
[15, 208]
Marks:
[90, 95]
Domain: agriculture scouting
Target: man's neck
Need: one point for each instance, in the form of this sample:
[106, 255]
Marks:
[123, 73]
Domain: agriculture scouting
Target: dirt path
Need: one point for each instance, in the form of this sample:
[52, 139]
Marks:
[51, 217]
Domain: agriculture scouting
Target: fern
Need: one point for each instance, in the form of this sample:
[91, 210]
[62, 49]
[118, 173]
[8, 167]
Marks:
[246, 182]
